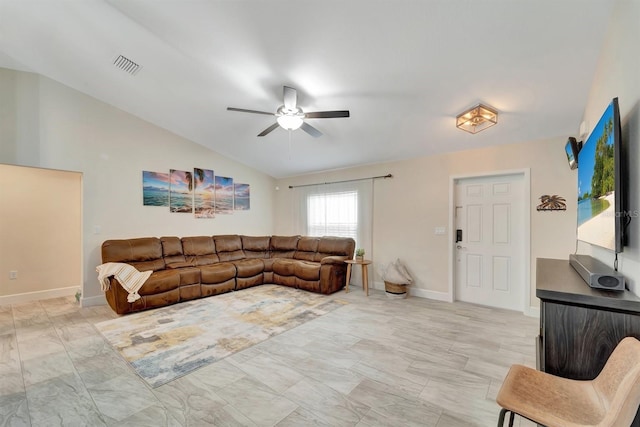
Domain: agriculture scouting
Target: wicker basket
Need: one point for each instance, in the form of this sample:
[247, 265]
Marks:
[395, 290]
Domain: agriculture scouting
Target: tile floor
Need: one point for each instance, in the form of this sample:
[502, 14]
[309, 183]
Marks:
[374, 362]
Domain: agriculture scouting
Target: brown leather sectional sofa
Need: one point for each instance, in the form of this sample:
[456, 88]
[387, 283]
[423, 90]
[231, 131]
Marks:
[193, 267]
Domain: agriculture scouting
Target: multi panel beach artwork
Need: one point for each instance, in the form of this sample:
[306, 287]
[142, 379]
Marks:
[204, 193]
[199, 192]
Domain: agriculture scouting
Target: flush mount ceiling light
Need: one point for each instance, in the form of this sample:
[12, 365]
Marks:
[477, 118]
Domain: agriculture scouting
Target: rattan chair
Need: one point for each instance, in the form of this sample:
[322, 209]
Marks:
[610, 400]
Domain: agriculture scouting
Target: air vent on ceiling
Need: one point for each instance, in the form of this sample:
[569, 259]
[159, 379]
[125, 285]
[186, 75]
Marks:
[127, 65]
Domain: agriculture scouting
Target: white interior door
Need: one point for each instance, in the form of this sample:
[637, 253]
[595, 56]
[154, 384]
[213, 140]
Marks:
[490, 257]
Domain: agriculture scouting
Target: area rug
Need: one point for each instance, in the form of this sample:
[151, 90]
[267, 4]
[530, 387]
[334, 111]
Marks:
[169, 342]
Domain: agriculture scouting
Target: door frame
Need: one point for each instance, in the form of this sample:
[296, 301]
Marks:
[526, 238]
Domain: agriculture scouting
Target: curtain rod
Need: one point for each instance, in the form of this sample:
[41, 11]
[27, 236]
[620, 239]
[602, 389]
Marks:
[346, 180]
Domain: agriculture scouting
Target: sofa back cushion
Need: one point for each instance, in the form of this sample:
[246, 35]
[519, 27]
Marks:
[144, 253]
[172, 250]
[335, 246]
[283, 246]
[307, 248]
[199, 250]
[255, 246]
[229, 247]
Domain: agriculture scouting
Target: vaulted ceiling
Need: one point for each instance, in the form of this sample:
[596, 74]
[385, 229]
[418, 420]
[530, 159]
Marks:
[404, 69]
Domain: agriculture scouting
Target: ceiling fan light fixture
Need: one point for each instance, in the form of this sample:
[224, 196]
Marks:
[289, 122]
[289, 119]
[477, 119]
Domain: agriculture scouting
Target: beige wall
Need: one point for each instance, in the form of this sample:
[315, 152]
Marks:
[46, 124]
[40, 230]
[111, 148]
[618, 75]
[409, 206]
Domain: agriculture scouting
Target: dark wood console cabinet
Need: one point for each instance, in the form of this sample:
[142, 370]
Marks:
[580, 326]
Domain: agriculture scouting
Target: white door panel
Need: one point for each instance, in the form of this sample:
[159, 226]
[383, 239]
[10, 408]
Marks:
[490, 257]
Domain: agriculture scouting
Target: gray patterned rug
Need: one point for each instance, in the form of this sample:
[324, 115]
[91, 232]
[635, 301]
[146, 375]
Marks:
[166, 343]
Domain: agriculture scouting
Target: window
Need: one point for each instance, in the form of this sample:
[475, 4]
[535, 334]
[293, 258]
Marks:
[337, 209]
[333, 214]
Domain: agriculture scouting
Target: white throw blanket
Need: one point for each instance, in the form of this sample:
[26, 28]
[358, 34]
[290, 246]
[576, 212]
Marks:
[129, 277]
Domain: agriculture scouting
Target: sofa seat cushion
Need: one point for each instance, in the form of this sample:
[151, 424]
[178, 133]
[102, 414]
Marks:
[284, 267]
[161, 281]
[268, 264]
[217, 273]
[249, 267]
[189, 275]
[306, 270]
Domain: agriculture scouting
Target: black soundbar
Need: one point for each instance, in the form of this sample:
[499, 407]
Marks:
[597, 274]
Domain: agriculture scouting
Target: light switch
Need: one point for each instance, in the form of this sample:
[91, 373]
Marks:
[439, 231]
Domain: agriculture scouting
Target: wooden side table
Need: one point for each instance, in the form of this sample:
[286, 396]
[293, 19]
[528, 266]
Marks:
[365, 273]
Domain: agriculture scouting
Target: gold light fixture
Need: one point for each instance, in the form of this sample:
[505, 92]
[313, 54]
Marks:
[477, 118]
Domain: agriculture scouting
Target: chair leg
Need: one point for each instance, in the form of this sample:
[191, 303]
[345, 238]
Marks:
[501, 417]
[503, 412]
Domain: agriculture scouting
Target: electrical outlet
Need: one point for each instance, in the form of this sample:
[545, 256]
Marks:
[13, 275]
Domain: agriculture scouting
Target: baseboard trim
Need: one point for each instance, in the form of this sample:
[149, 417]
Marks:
[38, 295]
[532, 312]
[93, 301]
[425, 293]
[420, 293]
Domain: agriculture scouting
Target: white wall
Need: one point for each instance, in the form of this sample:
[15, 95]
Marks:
[410, 205]
[111, 148]
[618, 75]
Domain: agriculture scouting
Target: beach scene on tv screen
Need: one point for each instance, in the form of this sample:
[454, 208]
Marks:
[596, 185]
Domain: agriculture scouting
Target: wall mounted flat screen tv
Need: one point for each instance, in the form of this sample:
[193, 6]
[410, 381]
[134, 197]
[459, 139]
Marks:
[572, 148]
[601, 182]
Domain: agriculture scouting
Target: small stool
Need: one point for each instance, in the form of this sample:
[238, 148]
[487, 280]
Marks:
[365, 275]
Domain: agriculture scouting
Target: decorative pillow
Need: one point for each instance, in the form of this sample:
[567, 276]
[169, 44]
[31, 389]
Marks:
[396, 272]
[402, 269]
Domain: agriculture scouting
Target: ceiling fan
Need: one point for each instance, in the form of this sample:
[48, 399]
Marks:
[291, 117]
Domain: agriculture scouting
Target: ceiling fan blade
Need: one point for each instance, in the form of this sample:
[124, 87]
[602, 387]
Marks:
[327, 114]
[243, 110]
[290, 96]
[269, 129]
[310, 130]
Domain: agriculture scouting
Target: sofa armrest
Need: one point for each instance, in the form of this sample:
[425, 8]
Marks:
[335, 259]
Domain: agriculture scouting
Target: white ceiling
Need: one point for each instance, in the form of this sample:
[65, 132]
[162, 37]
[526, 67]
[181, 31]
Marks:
[403, 68]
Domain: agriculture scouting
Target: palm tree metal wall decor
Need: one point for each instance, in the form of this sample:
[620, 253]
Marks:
[552, 203]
